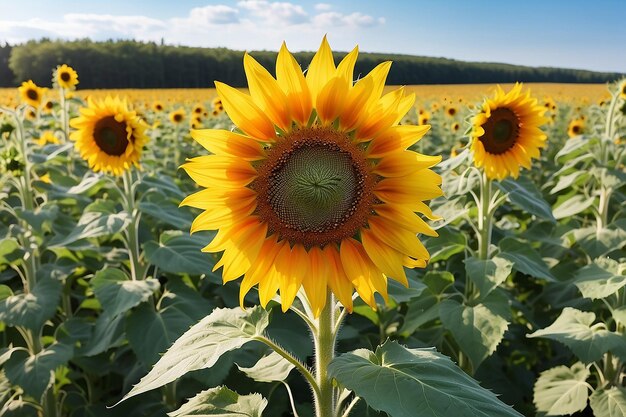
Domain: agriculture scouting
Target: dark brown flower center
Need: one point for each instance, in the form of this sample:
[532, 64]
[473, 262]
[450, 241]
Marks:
[32, 94]
[111, 136]
[576, 129]
[65, 76]
[178, 117]
[314, 188]
[501, 131]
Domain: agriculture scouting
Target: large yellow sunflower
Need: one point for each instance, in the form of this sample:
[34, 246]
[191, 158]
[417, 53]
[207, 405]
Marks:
[622, 89]
[317, 190]
[506, 133]
[31, 94]
[65, 77]
[110, 136]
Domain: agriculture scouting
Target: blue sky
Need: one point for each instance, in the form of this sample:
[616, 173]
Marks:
[572, 34]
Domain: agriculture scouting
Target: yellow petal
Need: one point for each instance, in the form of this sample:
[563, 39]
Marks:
[395, 138]
[294, 85]
[331, 99]
[320, 71]
[339, 284]
[387, 259]
[362, 272]
[404, 217]
[316, 279]
[290, 267]
[420, 185]
[399, 164]
[400, 239]
[210, 197]
[227, 143]
[245, 114]
[345, 68]
[354, 108]
[261, 266]
[242, 253]
[215, 217]
[381, 116]
[219, 171]
[266, 93]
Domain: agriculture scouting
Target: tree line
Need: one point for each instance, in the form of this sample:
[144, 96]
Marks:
[134, 64]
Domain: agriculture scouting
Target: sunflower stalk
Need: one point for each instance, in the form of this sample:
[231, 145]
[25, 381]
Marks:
[131, 233]
[324, 354]
[65, 119]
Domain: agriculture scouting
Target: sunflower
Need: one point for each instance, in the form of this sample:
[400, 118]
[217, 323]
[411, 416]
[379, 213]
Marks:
[423, 119]
[157, 106]
[318, 189]
[217, 104]
[65, 77]
[48, 106]
[177, 116]
[198, 109]
[110, 136]
[451, 111]
[31, 94]
[455, 127]
[47, 137]
[576, 127]
[506, 133]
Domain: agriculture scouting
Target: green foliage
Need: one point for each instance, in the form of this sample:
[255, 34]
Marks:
[222, 402]
[408, 382]
[148, 65]
[562, 390]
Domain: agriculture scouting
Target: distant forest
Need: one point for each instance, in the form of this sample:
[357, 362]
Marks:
[133, 64]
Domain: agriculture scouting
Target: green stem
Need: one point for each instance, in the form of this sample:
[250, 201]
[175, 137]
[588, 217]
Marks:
[295, 362]
[64, 114]
[28, 200]
[324, 354]
[132, 235]
[485, 219]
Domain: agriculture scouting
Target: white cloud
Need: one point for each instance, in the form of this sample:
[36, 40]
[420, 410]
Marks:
[323, 7]
[356, 19]
[215, 14]
[248, 24]
[275, 12]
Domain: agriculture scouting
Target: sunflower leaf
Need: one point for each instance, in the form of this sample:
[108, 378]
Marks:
[609, 403]
[414, 382]
[202, 345]
[562, 390]
[600, 279]
[269, 368]
[477, 329]
[222, 402]
[523, 193]
[180, 253]
[575, 329]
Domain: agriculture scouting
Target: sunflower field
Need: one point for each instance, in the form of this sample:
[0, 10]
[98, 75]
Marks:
[313, 246]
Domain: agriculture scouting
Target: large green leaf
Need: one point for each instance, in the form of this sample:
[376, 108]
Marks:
[164, 209]
[93, 224]
[414, 382]
[10, 252]
[477, 329]
[571, 206]
[202, 345]
[565, 181]
[525, 259]
[600, 279]
[449, 242]
[562, 390]
[32, 309]
[575, 329]
[524, 194]
[151, 332]
[178, 252]
[609, 402]
[35, 373]
[269, 368]
[118, 294]
[222, 402]
[107, 333]
[487, 274]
